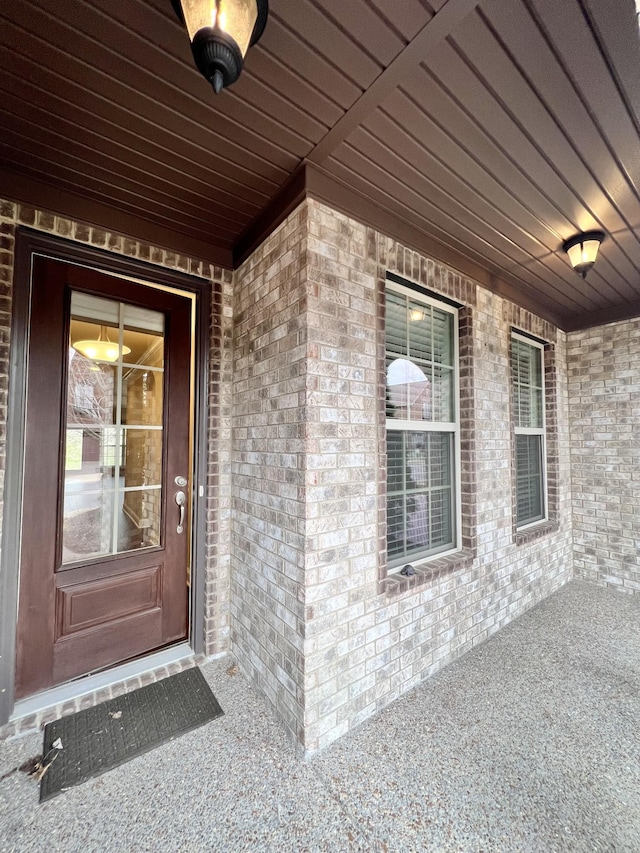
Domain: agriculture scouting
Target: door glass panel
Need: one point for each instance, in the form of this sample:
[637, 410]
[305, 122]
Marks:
[143, 333]
[91, 392]
[141, 397]
[114, 431]
[88, 523]
[89, 458]
[139, 515]
[142, 457]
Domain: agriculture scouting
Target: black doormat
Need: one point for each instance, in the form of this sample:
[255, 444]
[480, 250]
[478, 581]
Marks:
[97, 739]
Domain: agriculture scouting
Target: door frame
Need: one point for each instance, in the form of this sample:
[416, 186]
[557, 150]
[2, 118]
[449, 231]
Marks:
[30, 242]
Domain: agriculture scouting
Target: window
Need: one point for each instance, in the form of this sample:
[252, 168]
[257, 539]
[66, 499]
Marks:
[527, 380]
[422, 425]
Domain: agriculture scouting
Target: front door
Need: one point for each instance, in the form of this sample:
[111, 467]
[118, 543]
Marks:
[104, 566]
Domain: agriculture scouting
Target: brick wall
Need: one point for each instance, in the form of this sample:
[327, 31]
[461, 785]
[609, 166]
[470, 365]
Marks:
[219, 438]
[367, 643]
[604, 394]
[354, 638]
[344, 647]
[7, 252]
[296, 513]
[218, 530]
[268, 468]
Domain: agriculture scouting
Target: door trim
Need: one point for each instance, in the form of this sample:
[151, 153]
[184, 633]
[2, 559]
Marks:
[30, 242]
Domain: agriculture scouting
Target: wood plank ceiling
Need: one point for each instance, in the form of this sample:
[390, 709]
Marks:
[485, 132]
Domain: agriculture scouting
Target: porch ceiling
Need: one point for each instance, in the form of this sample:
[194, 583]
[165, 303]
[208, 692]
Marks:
[484, 132]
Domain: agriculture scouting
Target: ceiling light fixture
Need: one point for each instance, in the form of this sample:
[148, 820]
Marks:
[221, 33]
[102, 349]
[583, 250]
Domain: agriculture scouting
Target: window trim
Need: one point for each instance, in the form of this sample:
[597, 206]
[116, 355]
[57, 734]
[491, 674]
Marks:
[453, 428]
[535, 343]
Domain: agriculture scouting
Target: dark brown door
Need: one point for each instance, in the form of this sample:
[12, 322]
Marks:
[105, 543]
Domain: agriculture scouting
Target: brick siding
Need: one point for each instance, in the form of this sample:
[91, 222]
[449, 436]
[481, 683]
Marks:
[355, 637]
[268, 468]
[372, 642]
[297, 577]
[604, 394]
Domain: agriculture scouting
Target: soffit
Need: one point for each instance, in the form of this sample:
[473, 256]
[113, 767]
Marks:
[488, 131]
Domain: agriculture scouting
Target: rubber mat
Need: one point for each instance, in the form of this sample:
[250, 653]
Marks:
[89, 743]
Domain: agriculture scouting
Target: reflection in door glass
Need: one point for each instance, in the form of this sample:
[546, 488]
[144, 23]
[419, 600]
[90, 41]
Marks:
[88, 521]
[141, 397]
[113, 450]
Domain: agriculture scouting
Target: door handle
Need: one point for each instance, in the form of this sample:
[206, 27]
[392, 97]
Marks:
[181, 500]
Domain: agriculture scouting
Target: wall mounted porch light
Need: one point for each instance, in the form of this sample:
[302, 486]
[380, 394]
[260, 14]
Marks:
[583, 250]
[221, 33]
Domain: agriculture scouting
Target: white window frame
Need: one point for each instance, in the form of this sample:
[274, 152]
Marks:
[539, 431]
[395, 564]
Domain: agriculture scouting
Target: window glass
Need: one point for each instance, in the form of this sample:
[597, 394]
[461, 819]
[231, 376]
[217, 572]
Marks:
[422, 428]
[526, 372]
[396, 324]
[528, 406]
[529, 478]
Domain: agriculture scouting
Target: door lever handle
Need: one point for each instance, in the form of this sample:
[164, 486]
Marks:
[181, 500]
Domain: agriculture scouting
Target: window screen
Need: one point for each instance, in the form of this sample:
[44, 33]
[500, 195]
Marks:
[422, 428]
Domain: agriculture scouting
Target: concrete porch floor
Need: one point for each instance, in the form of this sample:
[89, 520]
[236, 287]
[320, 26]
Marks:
[529, 743]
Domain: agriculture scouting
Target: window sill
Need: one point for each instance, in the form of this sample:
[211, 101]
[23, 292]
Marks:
[523, 537]
[427, 572]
